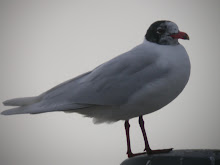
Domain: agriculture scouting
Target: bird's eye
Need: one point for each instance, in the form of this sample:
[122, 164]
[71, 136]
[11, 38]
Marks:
[160, 31]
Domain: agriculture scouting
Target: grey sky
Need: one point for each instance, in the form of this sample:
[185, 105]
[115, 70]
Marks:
[44, 43]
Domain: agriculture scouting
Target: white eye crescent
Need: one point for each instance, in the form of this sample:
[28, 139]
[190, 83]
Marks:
[160, 30]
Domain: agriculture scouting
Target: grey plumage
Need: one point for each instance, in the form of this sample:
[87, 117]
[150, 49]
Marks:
[135, 83]
[98, 87]
[22, 101]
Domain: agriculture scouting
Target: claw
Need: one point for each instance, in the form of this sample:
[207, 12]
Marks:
[159, 151]
[130, 154]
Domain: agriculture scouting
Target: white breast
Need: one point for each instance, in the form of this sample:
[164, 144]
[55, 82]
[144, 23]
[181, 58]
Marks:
[161, 91]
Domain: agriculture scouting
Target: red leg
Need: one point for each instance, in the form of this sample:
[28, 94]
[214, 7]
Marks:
[127, 126]
[129, 153]
[147, 147]
[141, 123]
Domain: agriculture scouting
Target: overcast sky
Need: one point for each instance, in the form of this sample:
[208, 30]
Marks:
[45, 42]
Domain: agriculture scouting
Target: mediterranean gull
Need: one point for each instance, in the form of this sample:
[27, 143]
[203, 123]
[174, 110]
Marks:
[133, 84]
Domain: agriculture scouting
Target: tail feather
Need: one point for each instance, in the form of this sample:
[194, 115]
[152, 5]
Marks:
[41, 108]
[31, 109]
[18, 110]
[22, 101]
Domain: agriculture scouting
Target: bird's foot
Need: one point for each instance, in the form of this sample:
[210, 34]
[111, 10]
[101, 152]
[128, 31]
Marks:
[150, 152]
[130, 154]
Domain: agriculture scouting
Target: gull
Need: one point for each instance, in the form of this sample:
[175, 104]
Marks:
[135, 83]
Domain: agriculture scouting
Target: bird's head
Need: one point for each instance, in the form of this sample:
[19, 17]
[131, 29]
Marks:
[165, 33]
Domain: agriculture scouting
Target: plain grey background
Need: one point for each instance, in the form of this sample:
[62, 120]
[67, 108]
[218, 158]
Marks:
[45, 42]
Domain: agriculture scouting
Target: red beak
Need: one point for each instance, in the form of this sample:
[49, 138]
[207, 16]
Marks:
[180, 35]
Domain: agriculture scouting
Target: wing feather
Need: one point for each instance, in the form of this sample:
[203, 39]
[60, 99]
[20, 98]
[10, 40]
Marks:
[113, 82]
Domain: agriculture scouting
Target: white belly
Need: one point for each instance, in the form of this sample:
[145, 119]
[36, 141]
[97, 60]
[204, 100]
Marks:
[154, 96]
[161, 91]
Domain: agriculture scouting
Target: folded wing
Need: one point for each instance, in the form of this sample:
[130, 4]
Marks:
[112, 83]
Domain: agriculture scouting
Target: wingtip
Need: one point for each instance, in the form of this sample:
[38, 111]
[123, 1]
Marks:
[8, 112]
[3, 113]
[4, 103]
[7, 103]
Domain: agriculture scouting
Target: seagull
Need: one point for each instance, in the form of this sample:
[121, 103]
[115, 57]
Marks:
[135, 83]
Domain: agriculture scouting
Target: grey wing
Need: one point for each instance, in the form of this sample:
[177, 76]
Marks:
[43, 103]
[112, 83]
